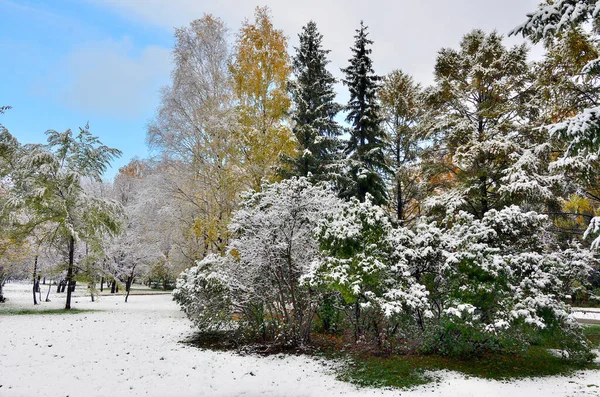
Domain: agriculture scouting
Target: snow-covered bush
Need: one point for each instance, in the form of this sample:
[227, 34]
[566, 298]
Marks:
[466, 286]
[204, 295]
[575, 267]
[476, 284]
[364, 259]
[501, 277]
[507, 281]
[260, 279]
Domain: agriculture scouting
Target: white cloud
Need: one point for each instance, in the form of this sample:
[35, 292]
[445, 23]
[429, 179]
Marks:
[407, 33]
[113, 78]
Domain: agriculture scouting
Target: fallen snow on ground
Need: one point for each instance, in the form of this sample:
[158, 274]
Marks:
[133, 349]
[586, 313]
[587, 309]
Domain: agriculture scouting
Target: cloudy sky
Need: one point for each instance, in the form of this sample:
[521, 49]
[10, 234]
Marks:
[66, 62]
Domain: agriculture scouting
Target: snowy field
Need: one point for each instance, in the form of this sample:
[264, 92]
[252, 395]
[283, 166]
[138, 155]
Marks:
[133, 349]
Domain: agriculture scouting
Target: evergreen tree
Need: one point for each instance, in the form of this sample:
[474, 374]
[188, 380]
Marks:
[564, 91]
[402, 109]
[366, 160]
[569, 79]
[314, 108]
[484, 153]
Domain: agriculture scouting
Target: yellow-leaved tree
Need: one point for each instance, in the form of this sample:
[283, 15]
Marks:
[260, 70]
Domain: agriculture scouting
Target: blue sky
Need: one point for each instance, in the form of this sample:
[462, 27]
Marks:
[66, 62]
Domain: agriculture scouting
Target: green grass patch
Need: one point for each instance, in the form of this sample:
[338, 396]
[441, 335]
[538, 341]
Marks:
[410, 371]
[26, 312]
[395, 371]
[592, 332]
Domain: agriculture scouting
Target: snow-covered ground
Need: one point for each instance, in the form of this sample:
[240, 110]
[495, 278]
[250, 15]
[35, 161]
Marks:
[133, 349]
[588, 315]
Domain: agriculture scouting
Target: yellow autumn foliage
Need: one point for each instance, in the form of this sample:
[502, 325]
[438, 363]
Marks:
[581, 209]
[260, 73]
[12, 253]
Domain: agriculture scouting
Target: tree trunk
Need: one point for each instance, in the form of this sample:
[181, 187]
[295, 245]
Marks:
[484, 198]
[102, 284]
[48, 294]
[1, 292]
[92, 287]
[39, 290]
[128, 287]
[113, 286]
[357, 315]
[35, 262]
[399, 204]
[70, 272]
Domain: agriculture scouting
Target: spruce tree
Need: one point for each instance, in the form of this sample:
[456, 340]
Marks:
[314, 108]
[366, 160]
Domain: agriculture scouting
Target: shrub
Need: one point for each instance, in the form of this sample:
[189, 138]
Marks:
[473, 286]
[260, 279]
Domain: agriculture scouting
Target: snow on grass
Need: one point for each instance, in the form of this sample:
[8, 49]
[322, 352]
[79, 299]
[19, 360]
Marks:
[133, 349]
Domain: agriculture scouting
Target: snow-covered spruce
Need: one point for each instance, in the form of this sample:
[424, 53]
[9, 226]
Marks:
[560, 15]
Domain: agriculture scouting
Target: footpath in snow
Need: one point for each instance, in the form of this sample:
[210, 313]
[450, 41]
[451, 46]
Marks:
[134, 349]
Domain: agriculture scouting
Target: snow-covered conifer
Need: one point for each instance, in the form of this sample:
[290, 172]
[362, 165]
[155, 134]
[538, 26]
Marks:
[314, 108]
[366, 163]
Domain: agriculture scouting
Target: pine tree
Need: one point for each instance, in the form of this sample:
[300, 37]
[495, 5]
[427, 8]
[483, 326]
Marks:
[564, 91]
[366, 160]
[314, 108]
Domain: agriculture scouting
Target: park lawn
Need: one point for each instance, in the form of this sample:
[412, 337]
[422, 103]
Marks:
[414, 370]
[406, 371]
[34, 311]
[130, 349]
[592, 332]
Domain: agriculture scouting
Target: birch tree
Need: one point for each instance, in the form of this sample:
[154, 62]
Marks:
[194, 135]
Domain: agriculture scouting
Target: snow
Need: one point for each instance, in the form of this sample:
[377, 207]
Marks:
[133, 349]
[587, 314]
